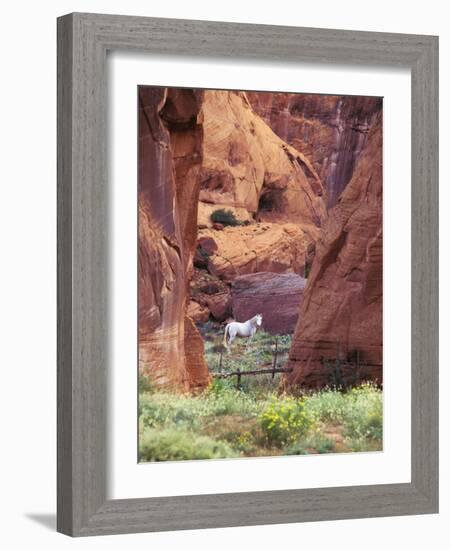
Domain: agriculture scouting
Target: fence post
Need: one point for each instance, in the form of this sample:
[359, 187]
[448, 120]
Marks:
[238, 383]
[275, 358]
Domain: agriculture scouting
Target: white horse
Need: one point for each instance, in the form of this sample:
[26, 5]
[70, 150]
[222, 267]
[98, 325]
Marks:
[245, 330]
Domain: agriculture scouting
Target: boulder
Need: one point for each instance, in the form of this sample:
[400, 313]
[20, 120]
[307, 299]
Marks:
[207, 245]
[211, 294]
[259, 247]
[200, 259]
[197, 312]
[341, 312]
[276, 296]
[219, 305]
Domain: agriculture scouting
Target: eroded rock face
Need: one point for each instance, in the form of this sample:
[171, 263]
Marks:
[170, 347]
[276, 296]
[277, 248]
[331, 131]
[211, 297]
[198, 376]
[246, 167]
[341, 312]
[197, 312]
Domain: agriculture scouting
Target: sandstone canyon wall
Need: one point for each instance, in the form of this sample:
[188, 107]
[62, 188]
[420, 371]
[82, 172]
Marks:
[170, 347]
[341, 312]
[330, 131]
[248, 168]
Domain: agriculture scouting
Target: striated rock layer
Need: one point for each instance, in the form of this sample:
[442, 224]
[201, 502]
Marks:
[330, 131]
[341, 312]
[248, 169]
[170, 347]
[276, 296]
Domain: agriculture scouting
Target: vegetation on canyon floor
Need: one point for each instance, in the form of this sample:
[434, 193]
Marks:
[258, 354]
[256, 419]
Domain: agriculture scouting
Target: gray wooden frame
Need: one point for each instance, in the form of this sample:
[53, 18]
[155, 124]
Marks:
[83, 40]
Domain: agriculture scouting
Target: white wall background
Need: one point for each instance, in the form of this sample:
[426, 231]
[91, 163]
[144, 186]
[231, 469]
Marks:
[28, 272]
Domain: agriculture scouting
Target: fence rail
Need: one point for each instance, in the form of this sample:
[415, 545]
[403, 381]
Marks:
[342, 372]
[255, 372]
[274, 368]
[239, 373]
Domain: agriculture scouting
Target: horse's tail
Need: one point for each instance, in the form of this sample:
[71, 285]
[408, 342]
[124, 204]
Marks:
[225, 343]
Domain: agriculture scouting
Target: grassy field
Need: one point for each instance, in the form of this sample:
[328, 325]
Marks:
[256, 419]
[259, 354]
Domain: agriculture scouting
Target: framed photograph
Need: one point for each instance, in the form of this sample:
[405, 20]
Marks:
[247, 274]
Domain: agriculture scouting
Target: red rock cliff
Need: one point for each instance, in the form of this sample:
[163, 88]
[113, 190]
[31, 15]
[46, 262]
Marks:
[330, 131]
[342, 303]
[247, 168]
[170, 347]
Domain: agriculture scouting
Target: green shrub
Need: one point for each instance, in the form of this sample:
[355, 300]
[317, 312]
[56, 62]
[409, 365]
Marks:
[285, 420]
[244, 442]
[186, 411]
[308, 267]
[328, 406]
[176, 444]
[165, 409]
[359, 411]
[145, 384]
[225, 217]
[256, 421]
[219, 386]
[364, 417]
[223, 398]
[316, 443]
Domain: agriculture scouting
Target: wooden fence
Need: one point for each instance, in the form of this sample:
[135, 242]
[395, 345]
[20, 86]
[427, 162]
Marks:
[339, 369]
[238, 373]
[274, 369]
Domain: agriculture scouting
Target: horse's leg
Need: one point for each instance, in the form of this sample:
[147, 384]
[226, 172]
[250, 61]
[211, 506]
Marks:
[230, 341]
[225, 337]
[249, 339]
[231, 337]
